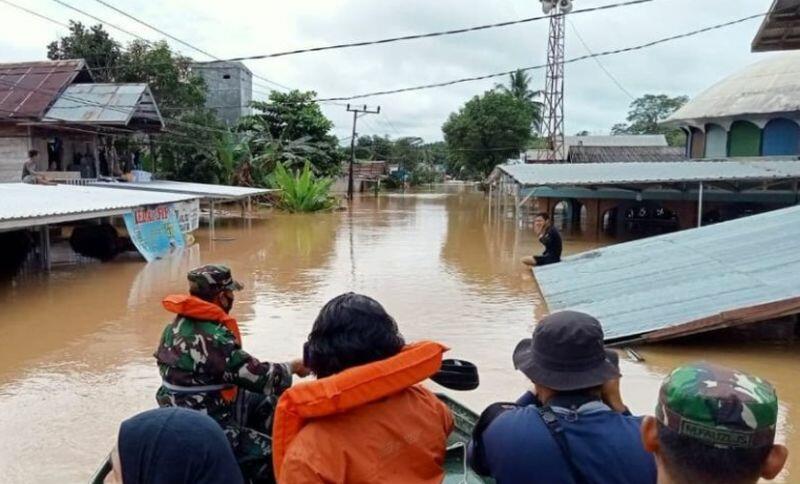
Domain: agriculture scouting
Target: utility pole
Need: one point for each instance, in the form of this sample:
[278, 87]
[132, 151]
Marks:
[356, 110]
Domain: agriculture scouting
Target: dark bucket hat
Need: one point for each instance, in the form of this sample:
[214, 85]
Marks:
[567, 353]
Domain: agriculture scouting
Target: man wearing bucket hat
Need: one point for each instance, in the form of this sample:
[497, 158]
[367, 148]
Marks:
[204, 367]
[574, 426]
[714, 425]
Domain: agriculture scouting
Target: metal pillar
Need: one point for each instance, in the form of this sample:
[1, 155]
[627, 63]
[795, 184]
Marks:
[44, 247]
[553, 126]
[700, 206]
[211, 217]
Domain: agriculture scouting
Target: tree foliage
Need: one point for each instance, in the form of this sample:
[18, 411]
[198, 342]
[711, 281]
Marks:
[647, 112]
[93, 44]
[486, 131]
[519, 87]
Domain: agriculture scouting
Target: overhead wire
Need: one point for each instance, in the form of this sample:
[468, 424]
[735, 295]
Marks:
[599, 63]
[543, 66]
[26, 10]
[433, 34]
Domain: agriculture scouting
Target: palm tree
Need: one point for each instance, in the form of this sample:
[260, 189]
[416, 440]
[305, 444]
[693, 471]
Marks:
[519, 87]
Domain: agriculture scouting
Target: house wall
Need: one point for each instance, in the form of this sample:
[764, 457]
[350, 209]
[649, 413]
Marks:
[230, 90]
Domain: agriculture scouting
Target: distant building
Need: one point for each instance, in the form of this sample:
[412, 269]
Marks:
[639, 140]
[752, 113]
[230, 89]
[625, 154]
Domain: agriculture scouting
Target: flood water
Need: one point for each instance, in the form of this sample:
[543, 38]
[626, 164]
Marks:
[77, 343]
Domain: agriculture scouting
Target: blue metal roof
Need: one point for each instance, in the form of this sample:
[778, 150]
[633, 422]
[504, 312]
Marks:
[691, 281]
[104, 104]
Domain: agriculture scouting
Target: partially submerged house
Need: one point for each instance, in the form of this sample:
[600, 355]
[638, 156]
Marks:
[56, 109]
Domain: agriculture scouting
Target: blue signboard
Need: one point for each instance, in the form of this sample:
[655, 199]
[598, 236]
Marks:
[155, 231]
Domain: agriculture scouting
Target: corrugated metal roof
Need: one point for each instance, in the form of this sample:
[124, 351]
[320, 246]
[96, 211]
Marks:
[610, 140]
[625, 154]
[770, 86]
[27, 89]
[740, 271]
[780, 29]
[202, 190]
[583, 174]
[105, 104]
[25, 205]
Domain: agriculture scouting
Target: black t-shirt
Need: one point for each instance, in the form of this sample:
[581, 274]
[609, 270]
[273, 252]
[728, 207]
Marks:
[551, 240]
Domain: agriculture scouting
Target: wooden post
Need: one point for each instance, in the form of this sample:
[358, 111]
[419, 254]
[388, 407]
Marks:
[44, 247]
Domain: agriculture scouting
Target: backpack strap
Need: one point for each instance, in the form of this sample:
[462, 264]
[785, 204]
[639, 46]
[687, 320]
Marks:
[476, 455]
[552, 423]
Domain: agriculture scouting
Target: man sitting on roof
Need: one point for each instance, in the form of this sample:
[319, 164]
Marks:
[365, 419]
[203, 367]
[549, 238]
[30, 170]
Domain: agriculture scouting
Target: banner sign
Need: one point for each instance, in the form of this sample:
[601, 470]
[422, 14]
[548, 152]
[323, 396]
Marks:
[155, 231]
[188, 215]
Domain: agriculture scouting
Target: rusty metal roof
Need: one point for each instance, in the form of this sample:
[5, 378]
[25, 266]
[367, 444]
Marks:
[780, 29]
[28, 89]
[732, 273]
[107, 103]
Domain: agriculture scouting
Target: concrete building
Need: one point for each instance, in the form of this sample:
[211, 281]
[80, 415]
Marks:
[230, 89]
[752, 113]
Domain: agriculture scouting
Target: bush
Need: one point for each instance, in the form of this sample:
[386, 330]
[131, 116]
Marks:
[303, 191]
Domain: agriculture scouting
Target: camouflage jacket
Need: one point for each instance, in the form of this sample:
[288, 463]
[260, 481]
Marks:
[199, 353]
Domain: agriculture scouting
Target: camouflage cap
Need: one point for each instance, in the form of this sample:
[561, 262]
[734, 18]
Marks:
[212, 278]
[720, 406]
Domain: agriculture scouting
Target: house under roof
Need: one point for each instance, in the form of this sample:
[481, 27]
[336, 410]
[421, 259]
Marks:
[106, 104]
[28, 89]
[758, 92]
[780, 29]
[625, 154]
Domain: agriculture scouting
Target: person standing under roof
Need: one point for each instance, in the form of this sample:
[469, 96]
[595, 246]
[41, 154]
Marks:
[714, 425]
[550, 238]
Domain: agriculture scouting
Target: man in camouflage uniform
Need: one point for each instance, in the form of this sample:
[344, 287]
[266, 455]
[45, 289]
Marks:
[204, 367]
[714, 425]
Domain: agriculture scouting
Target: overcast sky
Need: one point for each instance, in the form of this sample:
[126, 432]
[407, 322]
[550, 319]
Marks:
[234, 28]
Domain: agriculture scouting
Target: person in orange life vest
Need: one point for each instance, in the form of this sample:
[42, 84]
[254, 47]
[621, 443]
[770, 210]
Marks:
[204, 367]
[365, 419]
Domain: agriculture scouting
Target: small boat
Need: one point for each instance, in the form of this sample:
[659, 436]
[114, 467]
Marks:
[456, 470]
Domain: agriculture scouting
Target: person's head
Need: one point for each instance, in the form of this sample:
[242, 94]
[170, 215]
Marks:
[714, 425]
[172, 446]
[540, 220]
[214, 283]
[566, 355]
[33, 154]
[351, 330]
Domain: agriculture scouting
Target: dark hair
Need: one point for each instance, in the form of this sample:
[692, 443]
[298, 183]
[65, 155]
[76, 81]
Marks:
[351, 330]
[32, 153]
[544, 215]
[689, 460]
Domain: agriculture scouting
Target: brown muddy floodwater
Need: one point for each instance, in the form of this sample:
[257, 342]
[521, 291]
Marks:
[77, 343]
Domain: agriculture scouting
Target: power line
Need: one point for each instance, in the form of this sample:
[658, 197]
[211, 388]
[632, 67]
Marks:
[432, 34]
[180, 41]
[600, 64]
[542, 66]
[45, 17]
[97, 19]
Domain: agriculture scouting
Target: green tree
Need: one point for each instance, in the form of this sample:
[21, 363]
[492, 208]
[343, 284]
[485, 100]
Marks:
[93, 44]
[519, 87]
[486, 131]
[290, 128]
[648, 112]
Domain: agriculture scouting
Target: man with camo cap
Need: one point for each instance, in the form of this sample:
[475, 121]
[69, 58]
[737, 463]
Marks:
[203, 367]
[714, 425]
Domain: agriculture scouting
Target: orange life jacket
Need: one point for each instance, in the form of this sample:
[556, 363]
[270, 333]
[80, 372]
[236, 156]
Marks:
[196, 308]
[350, 389]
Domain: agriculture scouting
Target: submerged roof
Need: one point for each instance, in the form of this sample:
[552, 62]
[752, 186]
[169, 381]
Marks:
[114, 104]
[25, 205]
[686, 282]
[768, 87]
[201, 190]
[594, 174]
[780, 29]
[625, 154]
[27, 89]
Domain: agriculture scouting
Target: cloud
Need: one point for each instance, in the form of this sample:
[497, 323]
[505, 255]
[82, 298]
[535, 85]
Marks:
[593, 102]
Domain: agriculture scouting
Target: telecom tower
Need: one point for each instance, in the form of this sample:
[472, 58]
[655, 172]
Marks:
[553, 126]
